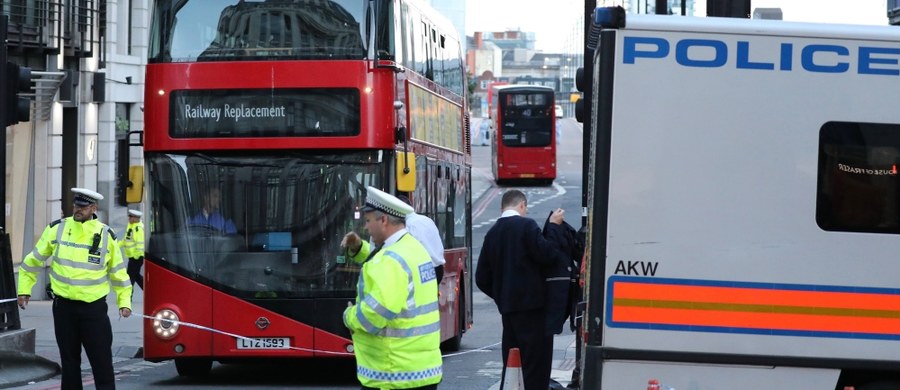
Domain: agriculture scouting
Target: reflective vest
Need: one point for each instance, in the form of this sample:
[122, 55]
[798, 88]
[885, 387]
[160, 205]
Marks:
[85, 260]
[395, 322]
[133, 243]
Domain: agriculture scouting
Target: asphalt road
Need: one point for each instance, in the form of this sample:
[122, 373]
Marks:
[480, 365]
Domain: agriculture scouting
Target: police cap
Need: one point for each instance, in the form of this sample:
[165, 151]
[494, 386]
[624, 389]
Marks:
[377, 200]
[85, 197]
[135, 213]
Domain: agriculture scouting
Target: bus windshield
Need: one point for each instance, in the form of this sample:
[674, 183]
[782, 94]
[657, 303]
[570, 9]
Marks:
[260, 226]
[216, 30]
[527, 119]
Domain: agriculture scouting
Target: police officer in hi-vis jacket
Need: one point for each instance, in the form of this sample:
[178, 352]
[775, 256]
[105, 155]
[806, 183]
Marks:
[85, 260]
[133, 245]
[395, 321]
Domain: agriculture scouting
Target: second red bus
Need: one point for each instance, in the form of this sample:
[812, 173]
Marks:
[524, 142]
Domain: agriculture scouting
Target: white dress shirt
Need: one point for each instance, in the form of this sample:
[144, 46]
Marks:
[423, 229]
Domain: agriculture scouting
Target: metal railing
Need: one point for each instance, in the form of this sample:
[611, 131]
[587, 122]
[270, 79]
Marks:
[31, 24]
[49, 25]
[79, 26]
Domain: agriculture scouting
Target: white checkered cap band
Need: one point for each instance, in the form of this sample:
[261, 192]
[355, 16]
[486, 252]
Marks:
[85, 196]
[386, 203]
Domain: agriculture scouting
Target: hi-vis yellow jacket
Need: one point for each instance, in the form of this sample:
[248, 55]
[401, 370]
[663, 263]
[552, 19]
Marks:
[86, 260]
[395, 321]
[133, 243]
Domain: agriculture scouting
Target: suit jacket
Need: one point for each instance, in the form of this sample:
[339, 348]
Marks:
[512, 264]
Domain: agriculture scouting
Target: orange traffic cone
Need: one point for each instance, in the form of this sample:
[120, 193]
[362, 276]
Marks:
[513, 379]
[653, 384]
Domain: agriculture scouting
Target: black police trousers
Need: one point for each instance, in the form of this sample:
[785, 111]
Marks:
[134, 271]
[85, 324]
[525, 330]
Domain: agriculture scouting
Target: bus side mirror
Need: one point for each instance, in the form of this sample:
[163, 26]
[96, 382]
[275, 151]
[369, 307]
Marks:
[135, 191]
[579, 110]
[579, 79]
[406, 171]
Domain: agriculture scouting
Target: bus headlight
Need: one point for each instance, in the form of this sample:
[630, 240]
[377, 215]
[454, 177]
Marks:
[165, 325]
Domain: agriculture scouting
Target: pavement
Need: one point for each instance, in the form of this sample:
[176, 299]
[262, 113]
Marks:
[563, 362]
[19, 368]
[22, 368]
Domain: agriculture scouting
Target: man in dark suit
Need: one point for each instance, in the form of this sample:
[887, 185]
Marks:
[511, 270]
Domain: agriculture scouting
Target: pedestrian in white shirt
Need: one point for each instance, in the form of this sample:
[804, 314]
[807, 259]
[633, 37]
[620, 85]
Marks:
[423, 229]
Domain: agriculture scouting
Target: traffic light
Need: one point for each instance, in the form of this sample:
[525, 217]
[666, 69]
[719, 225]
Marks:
[18, 108]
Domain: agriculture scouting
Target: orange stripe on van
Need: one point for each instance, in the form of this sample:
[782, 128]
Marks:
[784, 309]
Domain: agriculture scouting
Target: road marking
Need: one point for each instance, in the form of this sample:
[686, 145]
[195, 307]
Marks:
[560, 191]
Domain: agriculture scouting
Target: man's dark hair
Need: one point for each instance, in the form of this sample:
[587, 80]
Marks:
[512, 198]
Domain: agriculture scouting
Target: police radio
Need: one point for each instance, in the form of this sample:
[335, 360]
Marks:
[94, 252]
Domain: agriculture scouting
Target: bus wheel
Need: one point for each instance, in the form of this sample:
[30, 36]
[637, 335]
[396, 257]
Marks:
[453, 344]
[193, 367]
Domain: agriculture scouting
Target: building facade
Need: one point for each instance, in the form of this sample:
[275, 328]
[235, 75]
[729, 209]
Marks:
[87, 59]
[509, 57]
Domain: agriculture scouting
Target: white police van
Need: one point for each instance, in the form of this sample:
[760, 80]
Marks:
[744, 205]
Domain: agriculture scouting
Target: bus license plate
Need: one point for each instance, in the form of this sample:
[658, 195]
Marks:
[264, 343]
[527, 175]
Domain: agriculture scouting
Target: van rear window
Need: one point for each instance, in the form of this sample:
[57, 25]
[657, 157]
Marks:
[858, 187]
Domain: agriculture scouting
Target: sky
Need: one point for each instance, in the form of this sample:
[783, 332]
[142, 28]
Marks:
[553, 21]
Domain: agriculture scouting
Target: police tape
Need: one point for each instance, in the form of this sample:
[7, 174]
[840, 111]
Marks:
[237, 336]
[2, 301]
[482, 349]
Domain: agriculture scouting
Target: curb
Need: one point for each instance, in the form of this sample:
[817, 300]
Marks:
[20, 368]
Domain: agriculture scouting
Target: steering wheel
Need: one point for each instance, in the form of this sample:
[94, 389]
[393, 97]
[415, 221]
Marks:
[202, 230]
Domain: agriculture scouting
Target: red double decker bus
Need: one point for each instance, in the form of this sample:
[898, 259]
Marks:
[264, 123]
[524, 142]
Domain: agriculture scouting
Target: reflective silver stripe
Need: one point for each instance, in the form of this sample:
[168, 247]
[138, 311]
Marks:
[366, 324]
[389, 315]
[118, 268]
[79, 282]
[122, 254]
[120, 283]
[38, 255]
[411, 332]
[360, 284]
[410, 286]
[78, 264]
[103, 251]
[74, 245]
[59, 233]
[558, 278]
[30, 268]
[411, 310]
[379, 308]
[424, 309]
